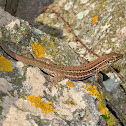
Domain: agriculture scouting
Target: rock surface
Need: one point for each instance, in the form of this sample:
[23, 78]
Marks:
[74, 105]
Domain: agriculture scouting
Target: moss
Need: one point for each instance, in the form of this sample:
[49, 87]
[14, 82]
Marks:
[38, 120]
[2, 94]
[71, 102]
[1, 109]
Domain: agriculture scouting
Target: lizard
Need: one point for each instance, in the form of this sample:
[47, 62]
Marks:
[60, 72]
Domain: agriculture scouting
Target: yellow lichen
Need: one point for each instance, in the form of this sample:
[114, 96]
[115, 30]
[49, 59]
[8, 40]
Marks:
[94, 19]
[38, 49]
[1, 38]
[71, 102]
[5, 64]
[83, 86]
[46, 107]
[85, 81]
[70, 83]
[102, 106]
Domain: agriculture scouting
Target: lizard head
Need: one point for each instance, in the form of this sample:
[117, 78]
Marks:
[112, 57]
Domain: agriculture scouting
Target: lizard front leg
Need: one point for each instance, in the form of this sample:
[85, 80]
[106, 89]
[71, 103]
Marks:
[43, 59]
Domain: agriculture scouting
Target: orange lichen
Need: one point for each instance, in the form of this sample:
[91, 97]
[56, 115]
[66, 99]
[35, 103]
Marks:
[46, 107]
[102, 106]
[70, 83]
[38, 49]
[94, 19]
[5, 64]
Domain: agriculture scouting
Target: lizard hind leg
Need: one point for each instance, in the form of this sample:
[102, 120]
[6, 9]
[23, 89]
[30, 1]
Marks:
[56, 79]
[99, 79]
